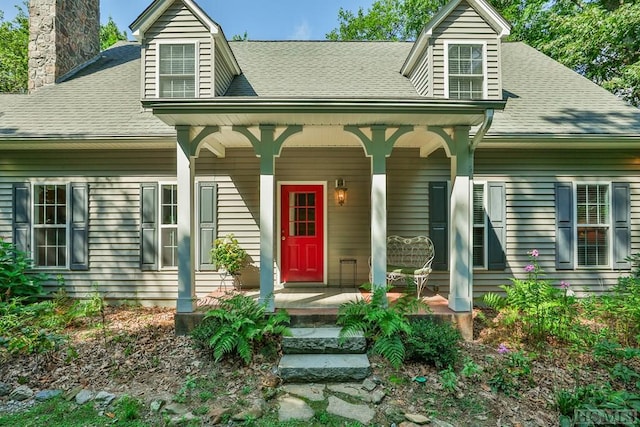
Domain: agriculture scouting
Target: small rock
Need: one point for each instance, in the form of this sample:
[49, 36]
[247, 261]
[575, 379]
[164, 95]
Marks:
[43, 395]
[104, 398]
[368, 384]
[439, 423]
[21, 393]
[417, 418]
[312, 392]
[339, 407]
[70, 394]
[174, 408]
[182, 419]
[292, 408]
[216, 414]
[5, 389]
[485, 418]
[156, 405]
[377, 396]
[84, 396]
[252, 413]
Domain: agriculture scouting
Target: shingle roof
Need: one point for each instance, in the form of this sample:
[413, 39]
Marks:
[545, 97]
[323, 69]
[103, 99]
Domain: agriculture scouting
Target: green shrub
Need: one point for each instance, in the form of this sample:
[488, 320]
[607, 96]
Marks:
[542, 310]
[237, 326]
[15, 279]
[620, 310]
[30, 328]
[435, 343]
[385, 326]
[511, 373]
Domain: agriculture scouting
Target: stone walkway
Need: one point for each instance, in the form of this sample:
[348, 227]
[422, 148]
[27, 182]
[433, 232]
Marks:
[352, 401]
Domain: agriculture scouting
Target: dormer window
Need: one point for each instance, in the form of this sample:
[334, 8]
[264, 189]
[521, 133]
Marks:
[177, 70]
[466, 70]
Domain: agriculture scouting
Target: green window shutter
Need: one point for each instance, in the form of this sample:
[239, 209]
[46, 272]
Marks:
[207, 198]
[22, 216]
[79, 226]
[149, 226]
[497, 216]
[620, 209]
[564, 226]
[439, 224]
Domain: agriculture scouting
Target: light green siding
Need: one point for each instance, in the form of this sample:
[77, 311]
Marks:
[464, 24]
[179, 24]
[224, 73]
[114, 178]
[422, 74]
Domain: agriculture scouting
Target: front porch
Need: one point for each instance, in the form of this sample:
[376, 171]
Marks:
[315, 306]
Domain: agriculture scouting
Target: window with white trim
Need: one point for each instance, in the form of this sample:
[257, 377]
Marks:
[168, 226]
[465, 71]
[50, 225]
[593, 207]
[479, 226]
[177, 70]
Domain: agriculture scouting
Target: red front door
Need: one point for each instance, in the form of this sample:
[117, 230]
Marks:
[302, 233]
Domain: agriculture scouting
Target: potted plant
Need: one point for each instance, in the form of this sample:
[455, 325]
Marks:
[228, 256]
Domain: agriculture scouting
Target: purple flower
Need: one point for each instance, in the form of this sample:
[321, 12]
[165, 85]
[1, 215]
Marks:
[534, 253]
[529, 268]
[502, 349]
[564, 285]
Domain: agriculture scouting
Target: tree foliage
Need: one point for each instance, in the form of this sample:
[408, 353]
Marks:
[14, 45]
[13, 52]
[110, 34]
[598, 38]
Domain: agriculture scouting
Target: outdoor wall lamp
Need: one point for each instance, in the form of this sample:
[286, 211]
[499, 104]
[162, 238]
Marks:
[341, 191]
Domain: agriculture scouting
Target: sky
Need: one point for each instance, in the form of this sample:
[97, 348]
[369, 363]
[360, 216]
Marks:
[261, 19]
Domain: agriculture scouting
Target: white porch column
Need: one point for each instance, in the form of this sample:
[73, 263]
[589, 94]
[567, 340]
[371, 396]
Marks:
[186, 249]
[378, 147]
[267, 147]
[461, 238]
[267, 242]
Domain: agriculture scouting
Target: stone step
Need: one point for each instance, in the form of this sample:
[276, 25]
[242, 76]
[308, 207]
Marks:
[322, 340]
[324, 367]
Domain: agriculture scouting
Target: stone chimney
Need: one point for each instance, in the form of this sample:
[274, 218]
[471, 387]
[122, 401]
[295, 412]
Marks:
[63, 34]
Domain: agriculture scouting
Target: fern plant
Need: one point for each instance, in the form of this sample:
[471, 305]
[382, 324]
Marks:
[238, 325]
[384, 326]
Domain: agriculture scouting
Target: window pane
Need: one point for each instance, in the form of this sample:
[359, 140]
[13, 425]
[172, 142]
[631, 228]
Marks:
[593, 246]
[478, 204]
[51, 248]
[169, 208]
[466, 73]
[177, 68]
[478, 247]
[169, 247]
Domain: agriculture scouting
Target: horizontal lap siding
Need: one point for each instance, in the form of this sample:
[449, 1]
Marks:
[237, 177]
[223, 73]
[420, 77]
[178, 23]
[464, 23]
[408, 177]
[530, 177]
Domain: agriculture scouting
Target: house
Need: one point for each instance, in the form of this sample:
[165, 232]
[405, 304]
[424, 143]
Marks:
[121, 167]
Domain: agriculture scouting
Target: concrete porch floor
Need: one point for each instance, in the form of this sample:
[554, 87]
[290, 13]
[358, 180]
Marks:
[313, 306]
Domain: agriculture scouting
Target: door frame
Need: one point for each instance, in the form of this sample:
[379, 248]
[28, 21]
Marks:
[325, 267]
